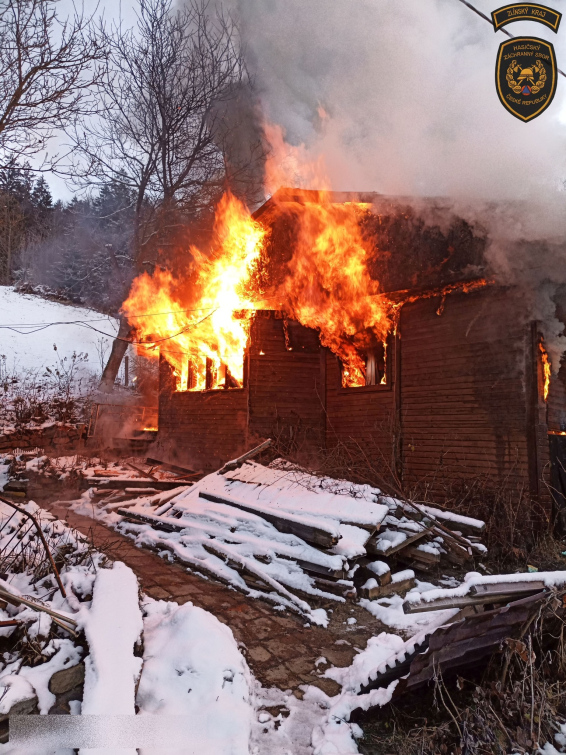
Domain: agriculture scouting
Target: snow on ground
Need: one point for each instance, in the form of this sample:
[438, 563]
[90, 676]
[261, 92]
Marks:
[192, 667]
[29, 344]
[192, 687]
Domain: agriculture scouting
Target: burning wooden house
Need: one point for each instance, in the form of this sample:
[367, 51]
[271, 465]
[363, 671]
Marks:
[356, 322]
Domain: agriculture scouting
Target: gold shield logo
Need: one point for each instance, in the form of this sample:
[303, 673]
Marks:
[526, 76]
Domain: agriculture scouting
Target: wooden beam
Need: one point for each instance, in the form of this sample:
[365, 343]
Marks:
[383, 591]
[123, 482]
[371, 544]
[282, 521]
[235, 463]
[441, 604]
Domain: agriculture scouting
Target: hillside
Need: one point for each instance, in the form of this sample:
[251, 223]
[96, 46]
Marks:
[30, 327]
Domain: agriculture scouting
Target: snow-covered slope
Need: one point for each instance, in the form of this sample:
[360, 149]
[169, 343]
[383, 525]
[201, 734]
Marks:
[28, 345]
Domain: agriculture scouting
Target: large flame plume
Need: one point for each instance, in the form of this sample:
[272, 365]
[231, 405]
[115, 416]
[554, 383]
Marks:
[200, 322]
[328, 286]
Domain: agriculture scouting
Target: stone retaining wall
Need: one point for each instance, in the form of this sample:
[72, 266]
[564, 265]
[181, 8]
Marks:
[57, 436]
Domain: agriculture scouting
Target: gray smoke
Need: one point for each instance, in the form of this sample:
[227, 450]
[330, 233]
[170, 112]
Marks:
[408, 86]
[399, 97]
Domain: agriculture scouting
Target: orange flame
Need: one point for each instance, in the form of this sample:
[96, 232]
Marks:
[201, 322]
[546, 367]
[205, 330]
[330, 289]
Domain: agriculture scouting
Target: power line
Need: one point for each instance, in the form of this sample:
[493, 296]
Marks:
[111, 335]
[103, 319]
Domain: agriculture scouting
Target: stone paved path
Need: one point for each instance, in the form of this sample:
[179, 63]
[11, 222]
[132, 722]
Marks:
[280, 649]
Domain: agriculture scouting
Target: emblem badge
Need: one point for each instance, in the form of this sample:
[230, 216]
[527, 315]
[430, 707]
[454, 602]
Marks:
[526, 76]
[526, 12]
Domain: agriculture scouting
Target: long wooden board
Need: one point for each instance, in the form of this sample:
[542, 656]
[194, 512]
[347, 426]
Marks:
[442, 604]
[123, 482]
[282, 521]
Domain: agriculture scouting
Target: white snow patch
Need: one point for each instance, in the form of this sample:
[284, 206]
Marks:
[193, 668]
[112, 627]
[29, 350]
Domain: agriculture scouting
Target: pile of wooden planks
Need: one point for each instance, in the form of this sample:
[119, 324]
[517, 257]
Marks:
[348, 541]
[123, 483]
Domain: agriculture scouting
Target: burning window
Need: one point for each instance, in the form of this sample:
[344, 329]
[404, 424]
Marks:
[366, 366]
[206, 374]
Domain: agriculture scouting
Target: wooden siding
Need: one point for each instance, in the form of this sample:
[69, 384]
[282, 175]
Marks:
[282, 398]
[361, 417]
[557, 401]
[464, 398]
[286, 384]
[201, 429]
[464, 388]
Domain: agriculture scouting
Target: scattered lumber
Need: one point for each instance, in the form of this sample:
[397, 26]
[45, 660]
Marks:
[462, 644]
[421, 538]
[122, 503]
[132, 482]
[177, 468]
[377, 570]
[455, 647]
[508, 588]
[141, 471]
[372, 592]
[344, 588]
[141, 491]
[246, 565]
[320, 570]
[371, 545]
[418, 559]
[464, 524]
[159, 522]
[282, 521]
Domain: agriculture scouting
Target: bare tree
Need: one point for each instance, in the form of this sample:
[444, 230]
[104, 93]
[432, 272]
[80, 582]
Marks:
[46, 68]
[162, 128]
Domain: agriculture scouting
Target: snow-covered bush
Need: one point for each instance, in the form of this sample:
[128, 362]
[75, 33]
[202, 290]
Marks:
[58, 393]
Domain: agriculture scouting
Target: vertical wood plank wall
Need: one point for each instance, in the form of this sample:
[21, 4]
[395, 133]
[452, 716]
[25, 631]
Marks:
[464, 397]
[201, 429]
[362, 418]
[464, 388]
[282, 398]
[286, 388]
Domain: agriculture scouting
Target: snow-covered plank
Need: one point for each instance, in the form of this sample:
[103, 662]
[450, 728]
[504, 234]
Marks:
[299, 493]
[112, 627]
[306, 528]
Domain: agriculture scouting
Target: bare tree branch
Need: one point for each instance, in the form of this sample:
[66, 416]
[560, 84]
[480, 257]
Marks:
[47, 67]
[160, 131]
